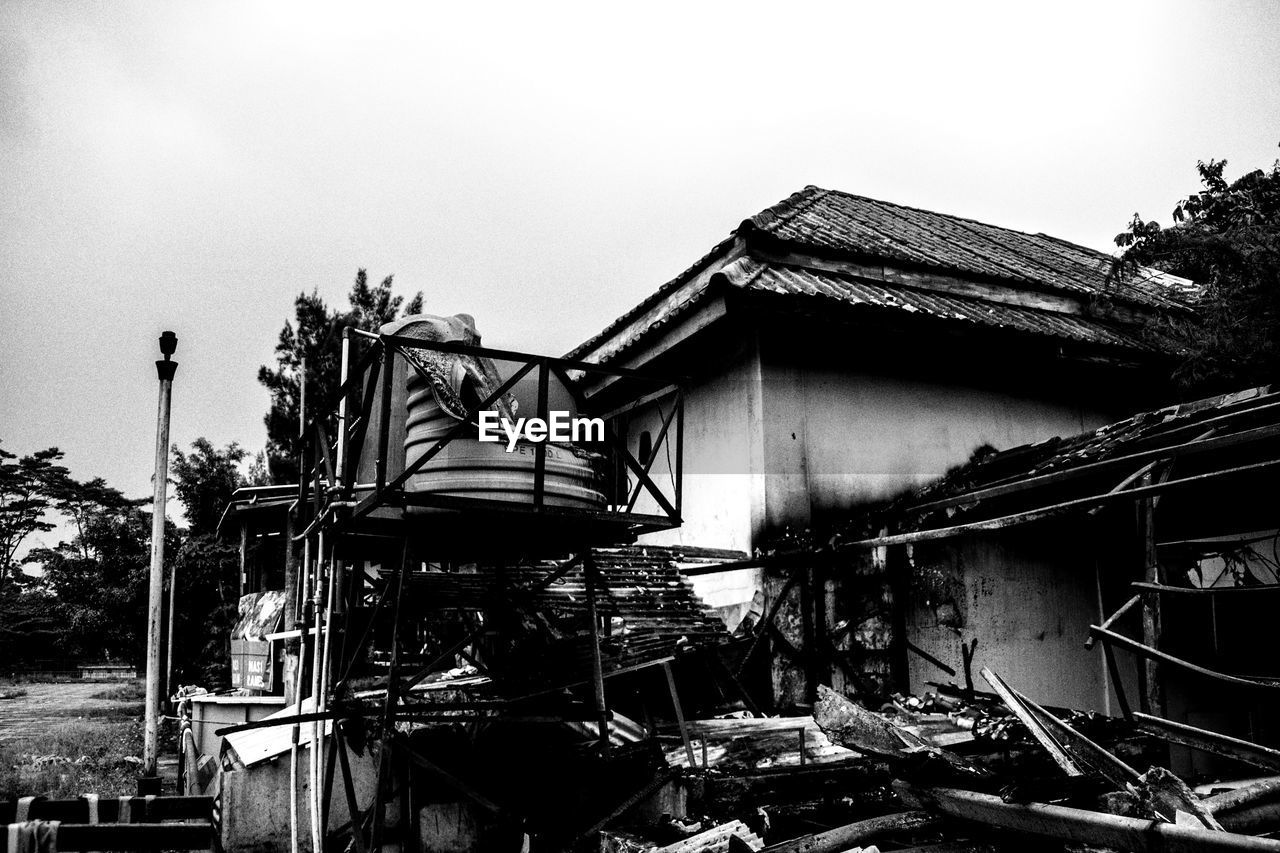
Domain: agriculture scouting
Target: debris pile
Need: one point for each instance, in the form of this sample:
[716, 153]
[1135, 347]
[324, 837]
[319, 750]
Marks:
[969, 771]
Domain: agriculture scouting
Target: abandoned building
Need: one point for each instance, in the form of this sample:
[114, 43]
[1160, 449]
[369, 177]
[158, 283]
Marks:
[841, 351]
[857, 450]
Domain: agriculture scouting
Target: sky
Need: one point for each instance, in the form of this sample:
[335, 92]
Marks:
[194, 166]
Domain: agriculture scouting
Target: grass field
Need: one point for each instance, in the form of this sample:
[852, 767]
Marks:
[63, 740]
[73, 758]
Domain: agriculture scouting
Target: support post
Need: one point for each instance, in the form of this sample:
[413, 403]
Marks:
[808, 602]
[1153, 687]
[896, 569]
[290, 610]
[149, 781]
[168, 658]
[680, 721]
[384, 417]
[597, 665]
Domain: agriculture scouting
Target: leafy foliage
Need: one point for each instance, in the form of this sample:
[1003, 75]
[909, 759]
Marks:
[1226, 237]
[315, 334]
[100, 580]
[30, 625]
[206, 568]
[204, 481]
[28, 489]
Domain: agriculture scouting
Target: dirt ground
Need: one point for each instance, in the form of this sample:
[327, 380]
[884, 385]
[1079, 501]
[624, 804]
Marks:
[43, 704]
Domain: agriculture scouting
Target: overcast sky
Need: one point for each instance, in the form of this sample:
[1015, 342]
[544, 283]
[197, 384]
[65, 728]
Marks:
[193, 166]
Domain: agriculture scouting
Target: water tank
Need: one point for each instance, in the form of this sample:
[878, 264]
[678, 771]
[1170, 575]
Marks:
[467, 467]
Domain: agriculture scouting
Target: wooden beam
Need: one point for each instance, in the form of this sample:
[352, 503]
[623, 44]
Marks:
[1107, 765]
[597, 665]
[1246, 796]
[1151, 700]
[1207, 741]
[1111, 637]
[1043, 737]
[1201, 444]
[1115, 617]
[851, 835]
[1146, 586]
[1041, 514]
[678, 709]
[1080, 826]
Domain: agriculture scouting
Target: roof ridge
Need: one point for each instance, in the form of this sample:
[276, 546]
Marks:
[795, 204]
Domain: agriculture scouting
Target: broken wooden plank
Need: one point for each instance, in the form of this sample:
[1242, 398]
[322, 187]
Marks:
[1264, 789]
[1113, 618]
[1207, 741]
[1038, 731]
[1085, 750]
[1145, 651]
[1263, 817]
[1204, 590]
[850, 835]
[951, 847]
[1079, 825]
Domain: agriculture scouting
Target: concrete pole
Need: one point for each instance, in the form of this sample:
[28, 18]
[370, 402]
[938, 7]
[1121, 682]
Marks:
[168, 658]
[149, 781]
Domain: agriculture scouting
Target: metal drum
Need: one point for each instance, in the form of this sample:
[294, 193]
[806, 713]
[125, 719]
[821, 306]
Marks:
[469, 468]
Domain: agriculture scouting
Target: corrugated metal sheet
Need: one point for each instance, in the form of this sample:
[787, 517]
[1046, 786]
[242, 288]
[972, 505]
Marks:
[750, 274]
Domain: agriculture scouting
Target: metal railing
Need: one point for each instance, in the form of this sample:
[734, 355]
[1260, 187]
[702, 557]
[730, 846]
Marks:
[331, 462]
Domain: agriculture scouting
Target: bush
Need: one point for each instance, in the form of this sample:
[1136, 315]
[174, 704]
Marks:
[134, 691]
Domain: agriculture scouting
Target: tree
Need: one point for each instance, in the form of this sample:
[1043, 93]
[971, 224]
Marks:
[206, 568]
[1226, 237]
[204, 481]
[100, 577]
[31, 625]
[315, 334]
[27, 489]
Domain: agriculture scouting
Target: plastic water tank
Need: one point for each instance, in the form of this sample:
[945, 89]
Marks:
[467, 467]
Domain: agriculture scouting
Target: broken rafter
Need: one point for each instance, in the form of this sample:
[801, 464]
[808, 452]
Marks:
[1144, 651]
[1248, 795]
[1201, 444]
[1083, 749]
[1145, 586]
[1043, 513]
[1038, 731]
[1114, 617]
[844, 837]
[1079, 825]
[1207, 741]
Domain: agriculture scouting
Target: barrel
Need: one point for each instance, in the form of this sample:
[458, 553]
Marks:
[469, 468]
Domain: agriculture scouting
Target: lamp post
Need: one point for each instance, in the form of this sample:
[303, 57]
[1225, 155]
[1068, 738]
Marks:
[149, 781]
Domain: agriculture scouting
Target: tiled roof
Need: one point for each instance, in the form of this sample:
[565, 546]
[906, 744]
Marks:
[749, 274]
[653, 606]
[847, 224]
[843, 228]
